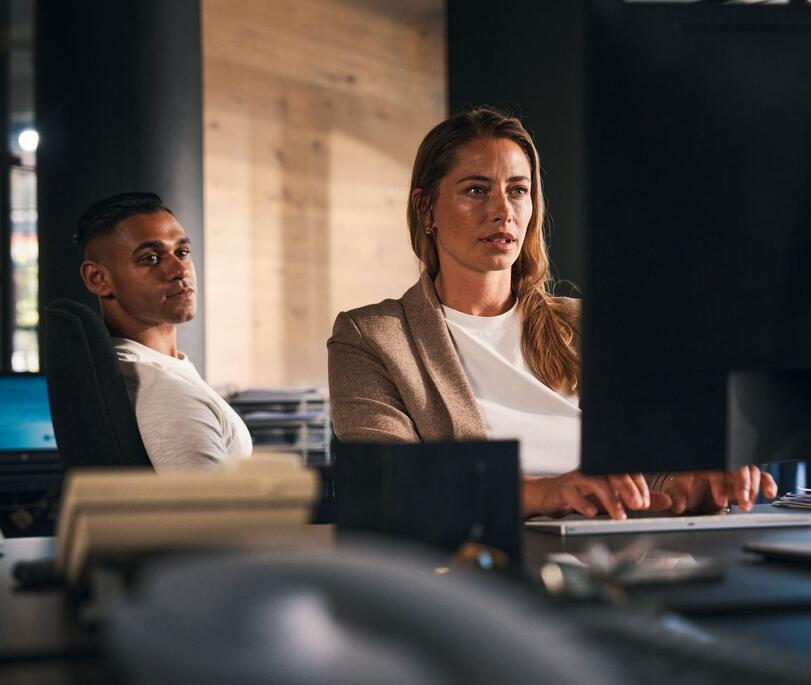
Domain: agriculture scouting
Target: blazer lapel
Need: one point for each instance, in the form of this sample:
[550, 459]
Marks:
[435, 347]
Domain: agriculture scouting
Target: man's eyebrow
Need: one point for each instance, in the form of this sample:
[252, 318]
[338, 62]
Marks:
[158, 245]
[154, 244]
[487, 179]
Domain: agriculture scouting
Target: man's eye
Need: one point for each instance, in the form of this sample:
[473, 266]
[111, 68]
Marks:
[149, 259]
[183, 253]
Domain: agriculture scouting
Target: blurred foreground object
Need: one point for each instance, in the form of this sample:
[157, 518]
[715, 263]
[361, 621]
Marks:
[118, 514]
[365, 613]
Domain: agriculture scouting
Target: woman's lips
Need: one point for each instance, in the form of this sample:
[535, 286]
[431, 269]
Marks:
[500, 243]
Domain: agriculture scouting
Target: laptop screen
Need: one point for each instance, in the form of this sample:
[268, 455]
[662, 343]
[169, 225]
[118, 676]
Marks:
[25, 416]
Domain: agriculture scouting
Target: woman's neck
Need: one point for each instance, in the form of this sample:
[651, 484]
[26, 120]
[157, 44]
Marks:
[479, 294]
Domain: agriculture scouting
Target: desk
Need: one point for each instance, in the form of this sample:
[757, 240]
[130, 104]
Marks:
[763, 601]
[40, 641]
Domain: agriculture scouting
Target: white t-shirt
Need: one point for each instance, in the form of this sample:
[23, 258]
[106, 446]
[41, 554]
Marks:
[183, 421]
[512, 401]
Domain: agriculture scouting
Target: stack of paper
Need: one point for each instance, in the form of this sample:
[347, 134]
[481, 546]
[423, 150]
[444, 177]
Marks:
[124, 513]
[795, 500]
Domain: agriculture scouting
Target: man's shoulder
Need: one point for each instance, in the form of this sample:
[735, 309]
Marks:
[158, 386]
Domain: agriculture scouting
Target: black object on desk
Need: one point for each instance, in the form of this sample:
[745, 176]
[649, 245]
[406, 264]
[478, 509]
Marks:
[796, 552]
[443, 494]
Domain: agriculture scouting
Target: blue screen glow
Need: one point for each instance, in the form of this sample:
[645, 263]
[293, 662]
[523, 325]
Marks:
[25, 417]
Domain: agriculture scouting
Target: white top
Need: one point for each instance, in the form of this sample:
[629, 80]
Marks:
[512, 401]
[183, 421]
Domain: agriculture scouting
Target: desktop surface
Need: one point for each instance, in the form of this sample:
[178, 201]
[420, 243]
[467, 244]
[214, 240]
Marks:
[766, 604]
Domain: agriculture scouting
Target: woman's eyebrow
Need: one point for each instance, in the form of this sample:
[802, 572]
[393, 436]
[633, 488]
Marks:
[487, 179]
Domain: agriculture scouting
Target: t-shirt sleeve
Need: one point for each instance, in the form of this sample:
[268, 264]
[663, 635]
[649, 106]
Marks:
[180, 427]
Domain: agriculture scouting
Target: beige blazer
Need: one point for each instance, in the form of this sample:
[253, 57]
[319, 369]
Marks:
[394, 375]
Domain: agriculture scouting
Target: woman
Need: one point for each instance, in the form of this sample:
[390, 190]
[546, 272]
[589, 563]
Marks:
[479, 347]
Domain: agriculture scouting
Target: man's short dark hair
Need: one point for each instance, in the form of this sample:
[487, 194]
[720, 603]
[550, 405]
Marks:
[103, 216]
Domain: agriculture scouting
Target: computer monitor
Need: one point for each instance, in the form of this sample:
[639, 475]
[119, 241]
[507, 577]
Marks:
[26, 432]
[697, 293]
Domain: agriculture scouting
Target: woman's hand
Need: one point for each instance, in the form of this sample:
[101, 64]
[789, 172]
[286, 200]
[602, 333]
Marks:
[713, 490]
[588, 495]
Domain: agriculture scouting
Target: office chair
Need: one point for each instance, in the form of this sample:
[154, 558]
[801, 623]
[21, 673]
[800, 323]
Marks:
[94, 423]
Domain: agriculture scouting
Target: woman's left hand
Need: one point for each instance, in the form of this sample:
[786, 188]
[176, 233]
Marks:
[713, 490]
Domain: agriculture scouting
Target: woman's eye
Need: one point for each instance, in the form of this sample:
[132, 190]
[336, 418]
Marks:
[520, 190]
[476, 190]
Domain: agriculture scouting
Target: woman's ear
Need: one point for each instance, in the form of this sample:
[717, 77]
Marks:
[422, 206]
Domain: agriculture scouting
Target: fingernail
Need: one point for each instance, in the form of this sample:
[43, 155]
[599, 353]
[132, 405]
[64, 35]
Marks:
[636, 501]
[746, 494]
[591, 511]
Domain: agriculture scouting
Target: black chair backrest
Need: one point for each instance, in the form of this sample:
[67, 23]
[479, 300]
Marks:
[93, 419]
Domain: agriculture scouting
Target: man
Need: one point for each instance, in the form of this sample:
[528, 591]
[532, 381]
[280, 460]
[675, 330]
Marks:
[137, 261]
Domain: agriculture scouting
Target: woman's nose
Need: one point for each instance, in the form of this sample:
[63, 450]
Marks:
[500, 209]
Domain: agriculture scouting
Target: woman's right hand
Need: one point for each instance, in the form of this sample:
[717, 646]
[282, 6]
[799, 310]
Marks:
[588, 495]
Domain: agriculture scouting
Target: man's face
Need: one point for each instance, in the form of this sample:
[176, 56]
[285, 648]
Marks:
[146, 270]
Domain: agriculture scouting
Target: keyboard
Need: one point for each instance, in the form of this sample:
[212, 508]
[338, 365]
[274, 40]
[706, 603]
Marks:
[602, 525]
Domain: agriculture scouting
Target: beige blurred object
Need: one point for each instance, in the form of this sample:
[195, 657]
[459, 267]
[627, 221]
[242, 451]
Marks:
[118, 514]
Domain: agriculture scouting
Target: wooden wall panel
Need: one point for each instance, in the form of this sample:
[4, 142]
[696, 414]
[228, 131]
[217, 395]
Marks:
[313, 112]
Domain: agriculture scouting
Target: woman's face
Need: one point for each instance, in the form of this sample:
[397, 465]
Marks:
[482, 207]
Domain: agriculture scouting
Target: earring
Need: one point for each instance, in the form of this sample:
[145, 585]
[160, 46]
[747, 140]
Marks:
[429, 229]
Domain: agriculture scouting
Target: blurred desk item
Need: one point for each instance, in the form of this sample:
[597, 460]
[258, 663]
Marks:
[295, 420]
[768, 604]
[121, 514]
[252, 616]
[801, 499]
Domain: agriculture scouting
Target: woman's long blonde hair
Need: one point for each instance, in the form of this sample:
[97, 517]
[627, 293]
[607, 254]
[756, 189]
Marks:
[550, 325]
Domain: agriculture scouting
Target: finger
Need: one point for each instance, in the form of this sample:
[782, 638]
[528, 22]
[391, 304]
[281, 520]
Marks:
[741, 481]
[627, 490]
[718, 488]
[768, 485]
[644, 490]
[659, 501]
[754, 483]
[573, 499]
[605, 494]
[678, 495]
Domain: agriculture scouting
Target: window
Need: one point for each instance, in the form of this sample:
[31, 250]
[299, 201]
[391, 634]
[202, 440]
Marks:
[19, 346]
